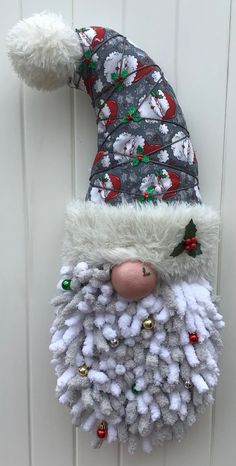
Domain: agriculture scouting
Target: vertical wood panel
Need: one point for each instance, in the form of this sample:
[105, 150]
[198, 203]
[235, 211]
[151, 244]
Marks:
[14, 438]
[201, 76]
[224, 427]
[202, 55]
[151, 25]
[48, 162]
[189, 40]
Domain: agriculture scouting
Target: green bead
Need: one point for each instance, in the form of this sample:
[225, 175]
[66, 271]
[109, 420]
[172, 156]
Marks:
[134, 389]
[66, 284]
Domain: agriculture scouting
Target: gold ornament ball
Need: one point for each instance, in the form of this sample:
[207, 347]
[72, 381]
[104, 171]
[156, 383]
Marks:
[148, 324]
[83, 370]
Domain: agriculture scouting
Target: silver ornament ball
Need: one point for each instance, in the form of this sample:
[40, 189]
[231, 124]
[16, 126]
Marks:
[188, 384]
[114, 343]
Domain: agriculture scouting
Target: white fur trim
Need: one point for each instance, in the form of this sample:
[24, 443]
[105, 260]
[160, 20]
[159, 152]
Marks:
[43, 50]
[113, 234]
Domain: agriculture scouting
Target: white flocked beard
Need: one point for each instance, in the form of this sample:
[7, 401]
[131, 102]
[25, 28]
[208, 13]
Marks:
[160, 362]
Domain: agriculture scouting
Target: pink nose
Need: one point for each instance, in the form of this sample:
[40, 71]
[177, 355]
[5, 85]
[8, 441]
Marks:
[133, 280]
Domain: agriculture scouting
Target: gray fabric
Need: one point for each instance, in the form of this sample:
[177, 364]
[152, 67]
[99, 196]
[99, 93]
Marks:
[120, 180]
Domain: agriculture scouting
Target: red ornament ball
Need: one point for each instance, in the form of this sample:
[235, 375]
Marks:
[101, 433]
[133, 280]
[193, 338]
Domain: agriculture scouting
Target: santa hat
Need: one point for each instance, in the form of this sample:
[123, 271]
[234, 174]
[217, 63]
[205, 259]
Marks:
[144, 176]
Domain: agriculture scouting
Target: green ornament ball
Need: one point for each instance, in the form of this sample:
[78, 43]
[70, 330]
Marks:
[134, 390]
[66, 284]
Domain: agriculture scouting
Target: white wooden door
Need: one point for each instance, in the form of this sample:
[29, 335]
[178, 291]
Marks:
[48, 141]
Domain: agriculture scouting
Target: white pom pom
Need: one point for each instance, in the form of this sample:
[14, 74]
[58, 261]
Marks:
[81, 267]
[43, 50]
[97, 376]
[65, 377]
[115, 389]
[199, 382]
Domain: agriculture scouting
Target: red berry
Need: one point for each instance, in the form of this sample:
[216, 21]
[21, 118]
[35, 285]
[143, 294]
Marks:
[101, 433]
[120, 79]
[188, 247]
[194, 239]
[193, 338]
[188, 240]
[193, 245]
[145, 195]
[139, 157]
[129, 117]
[86, 60]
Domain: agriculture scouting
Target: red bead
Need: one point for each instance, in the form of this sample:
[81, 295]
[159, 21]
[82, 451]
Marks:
[193, 338]
[188, 240]
[101, 433]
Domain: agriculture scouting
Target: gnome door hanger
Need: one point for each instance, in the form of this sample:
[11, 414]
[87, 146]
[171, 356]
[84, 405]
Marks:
[135, 340]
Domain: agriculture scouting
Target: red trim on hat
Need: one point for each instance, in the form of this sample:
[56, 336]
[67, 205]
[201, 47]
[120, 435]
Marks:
[172, 107]
[112, 105]
[150, 148]
[175, 184]
[116, 185]
[100, 33]
[140, 73]
[99, 155]
[89, 82]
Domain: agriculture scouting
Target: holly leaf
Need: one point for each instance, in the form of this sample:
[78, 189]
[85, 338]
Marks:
[139, 150]
[124, 120]
[145, 159]
[196, 251]
[114, 76]
[190, 229]
[92, 65]
[154, 92]
[81, 66]
[88, 54]
[119, 86]
[135, 162]
[124, 74]
[131, 110]
[145, 273]
[178, 249]
[141, 198]
[150, 190]
[136, 118]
